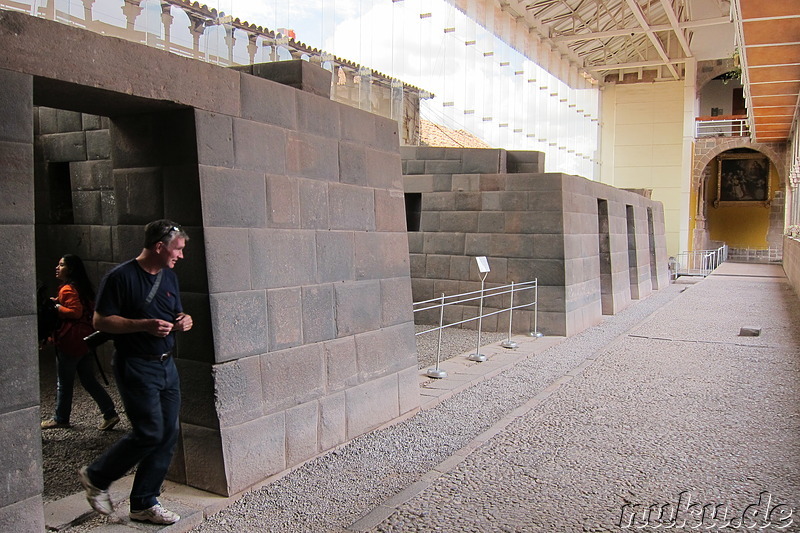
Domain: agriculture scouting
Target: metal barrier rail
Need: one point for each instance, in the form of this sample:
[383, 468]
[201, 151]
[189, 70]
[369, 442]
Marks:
[479, 296]
[699, 262]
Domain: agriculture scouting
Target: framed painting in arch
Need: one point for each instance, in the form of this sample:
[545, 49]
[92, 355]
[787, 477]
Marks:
[742, 178]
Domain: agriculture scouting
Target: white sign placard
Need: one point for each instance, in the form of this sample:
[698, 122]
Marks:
[483, 264]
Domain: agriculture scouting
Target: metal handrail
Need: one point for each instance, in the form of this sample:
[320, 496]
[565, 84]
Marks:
[698, 262]
[479, 295]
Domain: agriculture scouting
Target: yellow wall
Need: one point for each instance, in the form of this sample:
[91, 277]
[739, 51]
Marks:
[740, 226]
[643, 146]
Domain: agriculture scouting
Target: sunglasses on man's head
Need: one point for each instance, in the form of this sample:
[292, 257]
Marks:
[167, 233]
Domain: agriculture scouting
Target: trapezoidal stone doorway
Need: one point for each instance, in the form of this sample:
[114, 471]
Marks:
[295, 208]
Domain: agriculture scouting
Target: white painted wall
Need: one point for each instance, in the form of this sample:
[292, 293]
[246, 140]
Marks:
[644, 146]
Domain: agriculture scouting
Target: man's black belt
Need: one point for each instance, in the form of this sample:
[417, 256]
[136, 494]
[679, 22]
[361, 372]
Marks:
[154, 356]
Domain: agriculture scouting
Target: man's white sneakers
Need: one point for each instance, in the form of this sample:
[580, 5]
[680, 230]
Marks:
[155, 515]
[99, 499]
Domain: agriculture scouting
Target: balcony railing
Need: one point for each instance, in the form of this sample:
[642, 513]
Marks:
[722, 126]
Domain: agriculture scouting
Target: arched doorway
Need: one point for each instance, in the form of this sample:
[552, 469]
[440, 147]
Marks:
[740, 203]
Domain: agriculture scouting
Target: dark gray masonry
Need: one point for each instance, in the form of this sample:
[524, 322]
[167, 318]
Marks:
[297, 272]
[592, 247]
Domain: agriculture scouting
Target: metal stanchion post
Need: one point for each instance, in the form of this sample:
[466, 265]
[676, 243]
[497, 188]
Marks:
[508, 343]
[437, 372]
[536, 333]
[478, 356]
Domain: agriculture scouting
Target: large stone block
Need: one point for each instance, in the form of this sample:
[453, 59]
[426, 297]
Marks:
[239, 322]
[451, 166]
[21, 379]
[91, 175]
[64, 147]
[418, 265]
[416, 241]
[16, 187]
[444, 243]
[98, 144]
[319, 321]
[387, 134]
[312, 156]
[550, 246]
[469, 201]
[352, 163]
[268, 102]
[466, 182]
[371, 404]
[237, 391]
[16, 102]
[505, 201]
[282, 258]
[332, 421]
[313, 204]
[437, 266]
[356, 303]
[18, 263]
[351, 207]
[301, 433]
[390, 211]
[25, 515]
[429, 221]
[295, 73]
[283, 202]
[386, 351]
[396, 301]
[214, 139]
[341, 363]
[293, 377]
[478, 244]
[380, 255]
[357, 125]
[335, 256]
[317, 115]
[203, 461]
[491, 221]
[197, 393]
[259, 147]
[87, 207]
[383, 170]
[234, 198]
[438, 201]
[22, 456]
[458, 221]
[91, 122]
[139, 195]
[254, 451]
[285, 318]
[482, 161]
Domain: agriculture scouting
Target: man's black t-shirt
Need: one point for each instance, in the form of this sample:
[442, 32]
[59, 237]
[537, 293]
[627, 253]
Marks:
[123, 292]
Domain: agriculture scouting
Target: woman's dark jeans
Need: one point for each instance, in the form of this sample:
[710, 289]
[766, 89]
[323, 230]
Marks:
[66, 368]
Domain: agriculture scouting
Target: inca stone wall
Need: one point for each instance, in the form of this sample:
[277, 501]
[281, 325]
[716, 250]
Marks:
[530, 225]
[297, 273]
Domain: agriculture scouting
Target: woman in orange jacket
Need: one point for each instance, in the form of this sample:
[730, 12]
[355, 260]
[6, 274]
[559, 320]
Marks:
[75, 307]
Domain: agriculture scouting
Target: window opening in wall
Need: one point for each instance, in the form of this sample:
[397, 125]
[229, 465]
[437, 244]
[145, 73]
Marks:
[59, 192]
[633, 267]
[413, 210]
[652, 242]
[606, 290]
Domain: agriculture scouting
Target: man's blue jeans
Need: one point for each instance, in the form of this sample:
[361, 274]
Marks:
[150, 391]
[66, 368]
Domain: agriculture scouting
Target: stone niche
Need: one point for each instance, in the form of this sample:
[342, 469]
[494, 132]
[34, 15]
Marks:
[591, 247]
[297, 272]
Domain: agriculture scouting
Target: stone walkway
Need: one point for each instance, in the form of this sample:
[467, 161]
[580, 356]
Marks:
[663, 406]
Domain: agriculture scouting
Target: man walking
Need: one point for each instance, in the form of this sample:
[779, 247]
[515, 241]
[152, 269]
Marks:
[139, 303]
